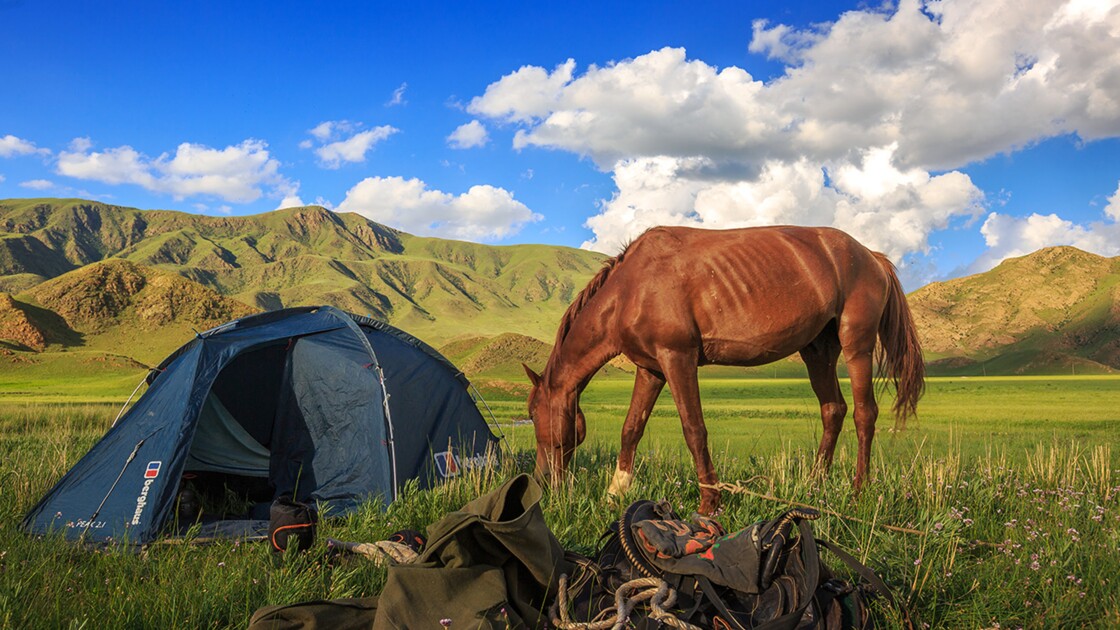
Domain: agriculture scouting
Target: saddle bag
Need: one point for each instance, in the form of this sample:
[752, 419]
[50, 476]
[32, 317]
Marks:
[654, 569]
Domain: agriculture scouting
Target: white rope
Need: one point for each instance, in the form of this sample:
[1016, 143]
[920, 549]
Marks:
[626, 599]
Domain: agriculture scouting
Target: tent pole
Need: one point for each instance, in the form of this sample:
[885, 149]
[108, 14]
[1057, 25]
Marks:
[357, 330]
[130, 397]
[97, 512]
[501, 433]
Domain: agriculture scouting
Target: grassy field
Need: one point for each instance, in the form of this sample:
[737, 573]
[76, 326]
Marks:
[1013, 482]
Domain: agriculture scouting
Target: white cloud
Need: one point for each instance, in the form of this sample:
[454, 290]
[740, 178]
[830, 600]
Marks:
[37, 184]
[11, 146]
[238, 173]
[81, 145]
[1, 179]
[472, 134]
[890, 210]
[863, 130]
[1007, 236]
[398, 96]
[482, 213]
[290, 198]
[354, 148]
[332, 129]
[1112, 210]
[337, 147]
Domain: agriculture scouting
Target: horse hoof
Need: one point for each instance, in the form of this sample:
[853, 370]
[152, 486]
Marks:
[620, 483]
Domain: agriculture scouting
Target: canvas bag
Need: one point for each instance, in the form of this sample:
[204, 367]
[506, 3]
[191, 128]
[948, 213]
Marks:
[492, 564]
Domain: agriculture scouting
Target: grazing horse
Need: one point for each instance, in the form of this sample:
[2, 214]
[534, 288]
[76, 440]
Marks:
[677, 298]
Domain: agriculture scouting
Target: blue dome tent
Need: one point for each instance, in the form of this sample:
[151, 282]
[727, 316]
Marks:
[310, 402]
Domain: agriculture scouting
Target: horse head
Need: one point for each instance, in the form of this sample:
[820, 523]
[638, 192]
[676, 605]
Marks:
[558, 424]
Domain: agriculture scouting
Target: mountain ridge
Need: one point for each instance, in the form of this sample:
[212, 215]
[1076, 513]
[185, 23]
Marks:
[64, 262]
[298, 256]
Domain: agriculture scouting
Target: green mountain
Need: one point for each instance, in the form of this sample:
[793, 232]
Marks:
[105, 283]
[1054, 311]
[77, 258]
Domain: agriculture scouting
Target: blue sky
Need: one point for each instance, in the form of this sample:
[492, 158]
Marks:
[949, 135]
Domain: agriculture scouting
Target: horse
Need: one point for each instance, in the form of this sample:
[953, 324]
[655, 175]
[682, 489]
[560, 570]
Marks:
[677, 298]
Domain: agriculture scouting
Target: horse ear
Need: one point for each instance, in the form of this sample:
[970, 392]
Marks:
[534, 378]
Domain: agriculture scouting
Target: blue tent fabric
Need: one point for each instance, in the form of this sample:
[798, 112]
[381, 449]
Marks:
[356, 409]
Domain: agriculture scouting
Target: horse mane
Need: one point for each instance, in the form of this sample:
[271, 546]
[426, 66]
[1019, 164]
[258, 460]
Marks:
[584, 296]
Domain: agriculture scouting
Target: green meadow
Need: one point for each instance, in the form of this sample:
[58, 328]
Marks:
[1011, 485]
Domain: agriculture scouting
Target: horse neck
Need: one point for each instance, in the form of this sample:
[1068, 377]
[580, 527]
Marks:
[588, 345]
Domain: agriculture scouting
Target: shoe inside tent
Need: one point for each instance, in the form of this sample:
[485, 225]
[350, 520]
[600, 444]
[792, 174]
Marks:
[315, 403]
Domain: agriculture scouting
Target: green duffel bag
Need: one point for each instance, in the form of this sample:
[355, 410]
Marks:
[356, 613]
[492, 564]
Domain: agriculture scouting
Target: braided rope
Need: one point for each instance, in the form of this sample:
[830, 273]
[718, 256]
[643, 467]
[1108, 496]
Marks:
[626, 599]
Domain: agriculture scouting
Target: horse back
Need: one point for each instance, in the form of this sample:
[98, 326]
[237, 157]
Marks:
[750, 295]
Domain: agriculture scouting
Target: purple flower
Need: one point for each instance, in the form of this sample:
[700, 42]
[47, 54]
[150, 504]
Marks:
[445, 622]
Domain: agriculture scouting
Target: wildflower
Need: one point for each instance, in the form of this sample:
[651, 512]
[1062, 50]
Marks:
[445, 622]
[221, 564]
[917, 561]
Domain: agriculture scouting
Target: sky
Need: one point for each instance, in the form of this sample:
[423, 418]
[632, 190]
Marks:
[949, 135]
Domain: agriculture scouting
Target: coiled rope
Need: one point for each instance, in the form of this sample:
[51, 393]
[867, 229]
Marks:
[626, 599]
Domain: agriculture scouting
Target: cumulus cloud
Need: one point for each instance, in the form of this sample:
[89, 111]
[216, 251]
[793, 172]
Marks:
[1008, 236]
[290, 196]
[340, 142]
[864, 130]
[482, 213]
[472, 134]
[11, 146]
[239, 173]
[37, 184]
[889, 209]
[1112, 210]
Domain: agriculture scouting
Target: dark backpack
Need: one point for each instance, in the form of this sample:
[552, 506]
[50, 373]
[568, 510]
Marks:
[654, 569]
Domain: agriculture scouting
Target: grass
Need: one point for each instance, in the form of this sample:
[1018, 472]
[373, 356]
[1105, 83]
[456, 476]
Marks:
[1013, 482]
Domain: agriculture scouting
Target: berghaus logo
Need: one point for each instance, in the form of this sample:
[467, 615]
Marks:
[150, 474]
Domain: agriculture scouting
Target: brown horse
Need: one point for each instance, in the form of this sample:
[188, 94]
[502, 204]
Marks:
[678, 298]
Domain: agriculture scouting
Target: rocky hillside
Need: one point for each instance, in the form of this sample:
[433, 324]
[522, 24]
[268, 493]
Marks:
[85, 276]
[30, 327]
[436, 289]
[1056, 310]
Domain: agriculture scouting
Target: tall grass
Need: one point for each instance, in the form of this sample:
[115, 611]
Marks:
[1020, 532]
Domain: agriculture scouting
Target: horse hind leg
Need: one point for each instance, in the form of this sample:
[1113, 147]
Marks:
[820, 360]
[858, 342]
[647, 387]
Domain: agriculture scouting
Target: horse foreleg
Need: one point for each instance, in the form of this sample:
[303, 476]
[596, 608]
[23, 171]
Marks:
[866, 409]
[820, 361]
[680, 371]
[647, 387]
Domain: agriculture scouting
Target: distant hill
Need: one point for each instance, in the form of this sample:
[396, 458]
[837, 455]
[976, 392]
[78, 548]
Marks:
[437, 289]
[1054, 311]
[109, 281]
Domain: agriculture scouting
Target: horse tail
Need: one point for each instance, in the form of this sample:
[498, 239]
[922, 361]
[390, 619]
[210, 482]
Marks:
[900, 352]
